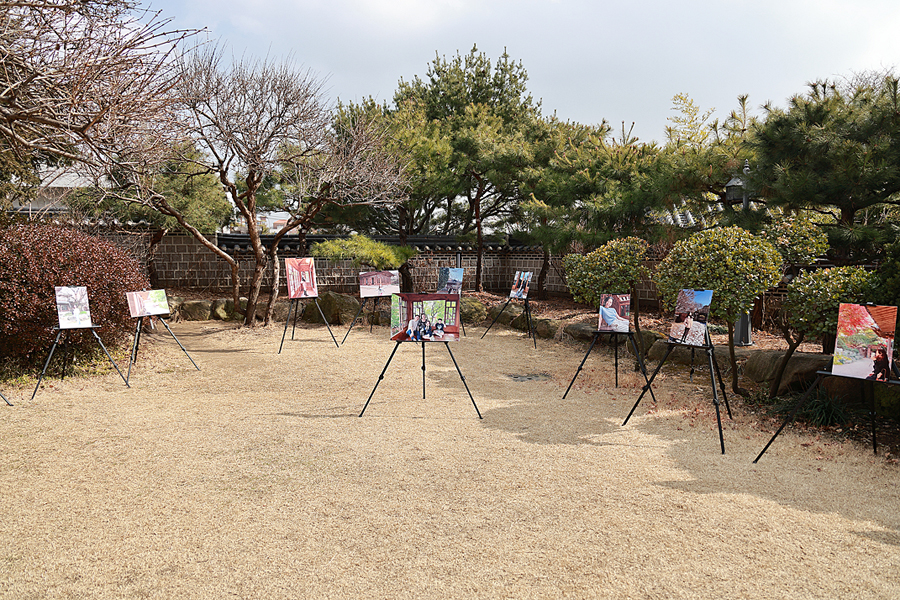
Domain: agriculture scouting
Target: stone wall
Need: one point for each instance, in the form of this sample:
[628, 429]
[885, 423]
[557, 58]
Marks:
[183, 262]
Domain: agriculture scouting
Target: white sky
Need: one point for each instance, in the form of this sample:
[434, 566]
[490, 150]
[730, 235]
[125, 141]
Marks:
[587, 60]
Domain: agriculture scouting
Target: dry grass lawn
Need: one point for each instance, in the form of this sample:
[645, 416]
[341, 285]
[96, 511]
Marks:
[255, 478]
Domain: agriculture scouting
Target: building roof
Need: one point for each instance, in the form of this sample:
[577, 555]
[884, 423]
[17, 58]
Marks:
[241, 241]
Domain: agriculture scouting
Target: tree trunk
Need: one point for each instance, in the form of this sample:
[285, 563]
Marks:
[542, 276]
[276, 284]
[733, 359]
[155, 240]
[480, 246]
[636, 303]
[259, 271]
[782, 364]
[406, 280]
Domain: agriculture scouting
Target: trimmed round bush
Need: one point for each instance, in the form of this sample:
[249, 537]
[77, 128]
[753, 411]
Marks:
[614, 268]
[729, 260]
[37, 257]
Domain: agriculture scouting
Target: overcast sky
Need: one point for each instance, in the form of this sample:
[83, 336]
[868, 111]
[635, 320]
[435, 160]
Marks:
[587, 60]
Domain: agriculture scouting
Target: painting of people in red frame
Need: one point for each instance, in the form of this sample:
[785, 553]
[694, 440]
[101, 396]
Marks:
[425, 318]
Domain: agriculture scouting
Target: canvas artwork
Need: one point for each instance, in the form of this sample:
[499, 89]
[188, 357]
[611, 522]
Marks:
[148, 303]
[865, 341]
[375, 284]
[301, 278]
[73, 309]
[614, 313]
[424, 318]
[520, 285]
[449, 281]
[691, 315]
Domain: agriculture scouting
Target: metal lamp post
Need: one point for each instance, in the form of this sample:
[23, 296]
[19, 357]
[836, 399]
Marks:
[735, 189]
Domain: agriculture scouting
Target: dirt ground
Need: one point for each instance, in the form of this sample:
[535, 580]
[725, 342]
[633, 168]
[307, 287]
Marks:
[254, 477]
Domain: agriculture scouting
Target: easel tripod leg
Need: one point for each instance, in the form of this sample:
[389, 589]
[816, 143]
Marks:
[583, 360]
[8, 403]
[649, 384]
[46, 363]
[495, 318]
[353, 322]
[286, 323]
[721, 385]
[326, 323]
[134, 347]
[453, 358]
[641, 365]
[793, 414]
[712, 378]
[528, 319]
[169, 329]
[380, 377]
[99, 341]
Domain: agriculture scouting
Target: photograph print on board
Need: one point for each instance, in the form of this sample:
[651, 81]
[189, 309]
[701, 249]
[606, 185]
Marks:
[614, 313]
[147, 303]
[449, 281]
[376, 284]
[72, 307]
[691, 315]
[865, 341]
[301, 278]
[424, 318]
[520, 285]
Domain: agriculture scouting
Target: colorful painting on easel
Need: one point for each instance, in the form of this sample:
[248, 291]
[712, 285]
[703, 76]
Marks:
[147, 303]
[301, 278]
[520, 285]
[865, 341]
[424, 318]
[377, 284]
[72, 307]
[449, 281]
[614, 313]
[691, 316]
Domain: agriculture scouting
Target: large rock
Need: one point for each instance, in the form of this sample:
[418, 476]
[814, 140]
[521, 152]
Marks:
[196, 310]
[646, 339]
[222, 309]
[801, 368]
[472, 310]
[175, 303]
[508, 315]
[547, 328]
[338, 309]
[581, 331]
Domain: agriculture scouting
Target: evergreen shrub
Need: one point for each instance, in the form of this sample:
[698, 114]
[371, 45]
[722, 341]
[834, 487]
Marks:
[798, 240]
[614, 268]
[732, 262]
[34, 259]
[364, 251]
[813, 298]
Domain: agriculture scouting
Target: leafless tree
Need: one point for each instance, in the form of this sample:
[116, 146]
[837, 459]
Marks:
[77, 75]
[259, 121]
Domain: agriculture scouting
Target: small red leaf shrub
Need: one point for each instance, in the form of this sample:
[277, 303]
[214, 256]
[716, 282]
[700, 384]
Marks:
[35, 258]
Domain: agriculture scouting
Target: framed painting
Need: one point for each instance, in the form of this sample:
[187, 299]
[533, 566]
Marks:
[691, 316]
[301, 278]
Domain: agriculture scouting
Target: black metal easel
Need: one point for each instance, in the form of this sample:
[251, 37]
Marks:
[868, 391]
[634, 347]
[294, 307]
[8, 403]
[397, 345]
[359, 312]
[137, 341]
[61, 334]
[713, 374]
[531, 333]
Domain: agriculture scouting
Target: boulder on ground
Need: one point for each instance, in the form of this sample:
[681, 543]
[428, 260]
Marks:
[196, 310]
[472, 310]
[801, 368]
[647, 340]
[509, 313]
[222, 309]
[337, 308]
[581, 331]
[682, 354]
[547, 328]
